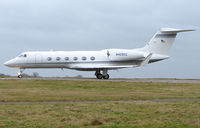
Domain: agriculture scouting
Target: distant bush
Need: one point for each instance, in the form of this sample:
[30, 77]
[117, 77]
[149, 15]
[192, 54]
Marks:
[35, 74]
[3, 75]
[26, 75]
[79, 76]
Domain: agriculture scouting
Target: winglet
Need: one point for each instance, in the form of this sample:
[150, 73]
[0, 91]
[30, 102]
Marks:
[146, 61]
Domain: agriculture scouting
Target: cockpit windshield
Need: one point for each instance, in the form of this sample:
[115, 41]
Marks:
[22, 55]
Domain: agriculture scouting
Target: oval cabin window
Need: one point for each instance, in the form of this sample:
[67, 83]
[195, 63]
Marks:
[49, 59]
[92, 58]
[57, 58]
[75, 58]
[84, 58]
[66, 58]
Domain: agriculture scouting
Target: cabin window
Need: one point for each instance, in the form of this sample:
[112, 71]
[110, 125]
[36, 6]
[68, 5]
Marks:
[84, 58]
[66, 58]
[57, 58]
[75, 58]
[92, 58]
[49, 59]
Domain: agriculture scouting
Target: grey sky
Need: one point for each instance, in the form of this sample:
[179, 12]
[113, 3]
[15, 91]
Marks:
[100, 24]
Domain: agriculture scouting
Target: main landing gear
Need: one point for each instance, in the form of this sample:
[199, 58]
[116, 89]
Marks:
[105, 74]
[20, 75]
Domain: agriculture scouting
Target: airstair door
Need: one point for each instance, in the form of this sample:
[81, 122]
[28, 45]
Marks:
[31, 58]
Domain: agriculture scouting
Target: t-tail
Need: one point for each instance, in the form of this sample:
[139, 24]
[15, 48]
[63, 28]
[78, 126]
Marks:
[163, 40]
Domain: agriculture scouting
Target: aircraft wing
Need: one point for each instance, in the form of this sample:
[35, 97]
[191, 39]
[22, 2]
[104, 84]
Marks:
[101, 66]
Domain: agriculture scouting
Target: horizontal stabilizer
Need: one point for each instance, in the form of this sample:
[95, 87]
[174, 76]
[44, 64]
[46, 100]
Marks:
[173, 30]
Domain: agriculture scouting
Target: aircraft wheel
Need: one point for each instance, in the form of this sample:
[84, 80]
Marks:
[20, 76]
[106, 76]
[99, 76]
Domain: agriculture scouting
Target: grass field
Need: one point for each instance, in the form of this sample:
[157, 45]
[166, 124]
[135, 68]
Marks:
[113, 114]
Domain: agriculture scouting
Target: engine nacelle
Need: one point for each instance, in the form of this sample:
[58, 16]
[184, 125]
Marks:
[125, 55]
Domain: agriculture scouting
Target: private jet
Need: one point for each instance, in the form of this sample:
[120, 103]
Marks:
[100, 62]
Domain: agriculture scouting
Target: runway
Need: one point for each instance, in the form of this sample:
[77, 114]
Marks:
[153, 80]
[120, 101]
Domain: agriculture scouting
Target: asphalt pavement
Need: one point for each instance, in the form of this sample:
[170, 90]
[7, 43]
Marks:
[153, 80]
[111, 101]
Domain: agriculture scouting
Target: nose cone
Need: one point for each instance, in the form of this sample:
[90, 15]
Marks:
[9, 63]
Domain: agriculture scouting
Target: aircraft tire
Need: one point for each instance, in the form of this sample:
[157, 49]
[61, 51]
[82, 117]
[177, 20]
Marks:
[19, 76]
[106, 76]
[99, 76]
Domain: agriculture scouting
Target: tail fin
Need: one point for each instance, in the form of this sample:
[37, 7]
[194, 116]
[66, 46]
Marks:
[162, 41]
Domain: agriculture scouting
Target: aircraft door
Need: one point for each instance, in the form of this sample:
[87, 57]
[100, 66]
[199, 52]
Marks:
[30, 58]
[38, 58]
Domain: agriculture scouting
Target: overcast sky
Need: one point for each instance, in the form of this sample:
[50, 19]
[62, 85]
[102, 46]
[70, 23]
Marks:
[100, 24]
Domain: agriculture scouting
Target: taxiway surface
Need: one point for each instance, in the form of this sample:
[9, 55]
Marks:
[153, 80]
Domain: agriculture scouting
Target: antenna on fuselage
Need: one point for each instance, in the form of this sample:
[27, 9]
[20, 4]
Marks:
[108, 54]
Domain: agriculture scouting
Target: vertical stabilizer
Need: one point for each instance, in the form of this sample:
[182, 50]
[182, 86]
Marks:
[163, 40]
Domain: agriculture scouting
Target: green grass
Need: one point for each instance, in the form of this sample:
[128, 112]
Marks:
[103, 115]
[166, 115]
[54, 90]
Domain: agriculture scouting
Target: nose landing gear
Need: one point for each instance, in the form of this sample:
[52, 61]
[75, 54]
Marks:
[105, 74]
[20, 75]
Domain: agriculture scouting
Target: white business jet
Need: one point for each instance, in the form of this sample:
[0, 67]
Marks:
[100, 61]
